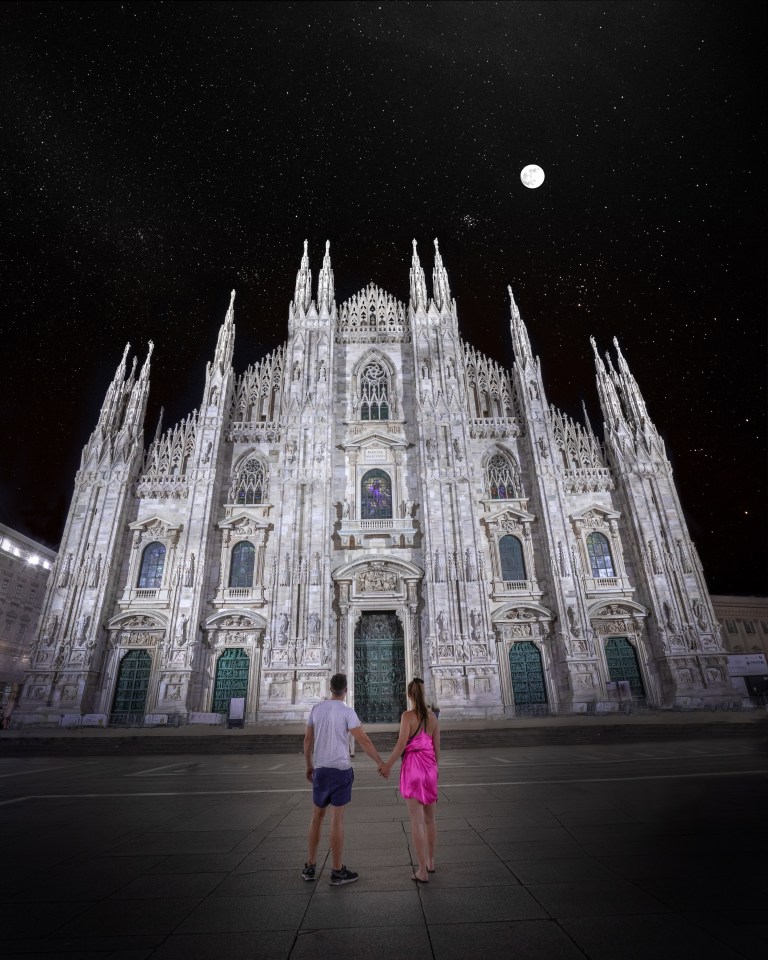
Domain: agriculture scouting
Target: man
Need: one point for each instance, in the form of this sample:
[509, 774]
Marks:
[329, 770]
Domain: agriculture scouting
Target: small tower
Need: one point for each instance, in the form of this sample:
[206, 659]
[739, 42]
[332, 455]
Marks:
[70, 647]
[683, 630]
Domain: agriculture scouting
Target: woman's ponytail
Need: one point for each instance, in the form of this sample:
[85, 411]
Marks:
[416, 693]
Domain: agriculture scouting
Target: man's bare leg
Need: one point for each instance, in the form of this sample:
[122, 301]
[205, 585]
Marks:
[337, 837]
[315, 827]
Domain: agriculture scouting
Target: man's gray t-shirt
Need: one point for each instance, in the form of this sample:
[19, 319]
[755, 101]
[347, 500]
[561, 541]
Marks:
[331, 721]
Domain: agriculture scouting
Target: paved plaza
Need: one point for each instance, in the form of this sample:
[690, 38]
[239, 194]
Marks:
[554, 852]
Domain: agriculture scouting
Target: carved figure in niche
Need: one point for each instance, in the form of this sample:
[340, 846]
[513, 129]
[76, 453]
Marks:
[457, 449]
[314, 573]
[49, 632]
[345, 509]
[573, 622]
[408, 508]
[214, 396]
[448, 687]
[81, 629]
[282, 631]
[181, 630]
[424, 371]
[449, 368]
[189, 571]
[542, 448]
[314, 626]
[209, 447]
[319, 451]
[533, 390]
[698, 612]
[63, 655]
[440, 621]
[296, 370]
[321, 372]
[668, 616]
[431, 451]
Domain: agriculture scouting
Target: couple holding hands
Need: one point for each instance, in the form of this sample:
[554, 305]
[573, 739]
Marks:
[329, 770]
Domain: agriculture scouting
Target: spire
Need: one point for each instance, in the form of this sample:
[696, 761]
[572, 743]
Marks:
[225, 345]
[633, 399]
[137, 404]
[441, 290]
[325, 292]
[114, 394]
[159, 428]
[418, 283]
[609, 399]
[520, 342]
[302, 296]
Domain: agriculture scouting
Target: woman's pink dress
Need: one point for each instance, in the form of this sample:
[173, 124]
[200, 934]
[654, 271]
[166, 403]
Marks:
[418, 773]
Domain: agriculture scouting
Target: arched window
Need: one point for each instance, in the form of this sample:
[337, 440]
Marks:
[249, 486]
[376, 496]
[374, 393]
[511, 555]
[152, 563]
[241, 567]
[503, 479]
[600, 555]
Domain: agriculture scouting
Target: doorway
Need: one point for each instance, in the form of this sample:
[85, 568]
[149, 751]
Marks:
[379, 668]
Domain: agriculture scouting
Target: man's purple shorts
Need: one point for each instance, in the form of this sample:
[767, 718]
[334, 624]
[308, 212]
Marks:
[333, 786]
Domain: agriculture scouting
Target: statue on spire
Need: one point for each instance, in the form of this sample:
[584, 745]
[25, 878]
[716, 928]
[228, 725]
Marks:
[418, 283]
[441, 289]
[325, 291]
[302, 297]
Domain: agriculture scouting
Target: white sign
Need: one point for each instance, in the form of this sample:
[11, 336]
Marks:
[747, 665]
[376, 454]
[237, 708]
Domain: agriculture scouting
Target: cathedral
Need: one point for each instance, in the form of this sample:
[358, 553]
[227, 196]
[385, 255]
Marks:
[377, 497]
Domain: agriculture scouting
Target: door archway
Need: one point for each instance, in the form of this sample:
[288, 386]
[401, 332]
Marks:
[131, 689]
[231, 678]
[528, 686]
[621, 659]
[379, 667]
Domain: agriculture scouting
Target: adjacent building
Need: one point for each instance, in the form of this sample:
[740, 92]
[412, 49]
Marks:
[375, 496]
[24, 569]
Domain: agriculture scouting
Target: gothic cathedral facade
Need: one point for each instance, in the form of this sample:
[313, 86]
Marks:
[377, 497]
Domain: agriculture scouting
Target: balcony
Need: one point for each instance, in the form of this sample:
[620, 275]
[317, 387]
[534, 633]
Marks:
[594, 586]
[501, 589]
[390, 532]
[251, 596]
[144, 597]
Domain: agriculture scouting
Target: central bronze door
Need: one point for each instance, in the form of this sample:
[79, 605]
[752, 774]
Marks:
[379, 668]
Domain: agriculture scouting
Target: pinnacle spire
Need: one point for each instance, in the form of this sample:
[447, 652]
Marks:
[302, 297]
[325, 291]
[633, 399]
[441, 290]
[225, 345]
[606, 389]
[418, 283]
[520, 341]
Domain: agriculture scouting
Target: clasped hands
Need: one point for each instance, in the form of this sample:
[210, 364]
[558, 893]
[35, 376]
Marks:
[384, 771]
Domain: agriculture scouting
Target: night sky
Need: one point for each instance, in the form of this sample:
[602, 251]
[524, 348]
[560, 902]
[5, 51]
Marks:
[156, 155]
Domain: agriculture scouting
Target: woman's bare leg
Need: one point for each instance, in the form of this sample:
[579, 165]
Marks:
[430, 833]
[415, 809]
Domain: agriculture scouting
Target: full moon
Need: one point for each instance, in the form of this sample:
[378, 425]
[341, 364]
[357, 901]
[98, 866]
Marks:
[532, 176]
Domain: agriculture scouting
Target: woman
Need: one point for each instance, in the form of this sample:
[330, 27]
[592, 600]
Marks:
[419, 743]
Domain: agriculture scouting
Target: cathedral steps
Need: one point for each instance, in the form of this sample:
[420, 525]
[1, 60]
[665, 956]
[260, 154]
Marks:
[182, 742]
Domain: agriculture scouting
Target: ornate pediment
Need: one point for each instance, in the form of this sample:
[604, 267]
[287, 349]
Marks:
[137, 621]
[509, 514]
[244, 523]
[235, 620]
[595, 512]
[158, 528]
[619, 610]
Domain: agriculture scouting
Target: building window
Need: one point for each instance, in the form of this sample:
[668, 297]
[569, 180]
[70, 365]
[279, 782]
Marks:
[374, 393]
[4, 585]
[241, 567]
[152, 563]
[503, 479]
[600, 556]
[511, 555]
[730, 626]
[376, 496]
[749, 627]
[249, 485]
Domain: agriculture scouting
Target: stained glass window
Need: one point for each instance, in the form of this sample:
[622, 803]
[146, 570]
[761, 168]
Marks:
[152, 563]
[503, 478]
[511, 554]
[241, 567]
[376, 496]
[249, 486]
[374, 393]
[600, 555]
